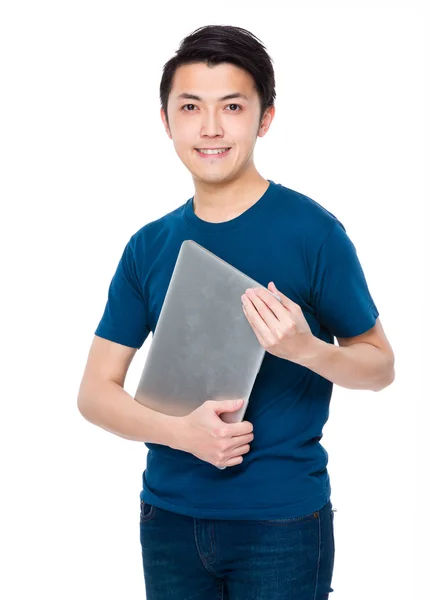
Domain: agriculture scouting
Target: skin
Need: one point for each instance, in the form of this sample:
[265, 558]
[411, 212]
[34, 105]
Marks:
[223, 188]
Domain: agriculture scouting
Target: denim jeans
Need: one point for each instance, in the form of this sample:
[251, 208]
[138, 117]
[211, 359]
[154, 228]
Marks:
[187, 558]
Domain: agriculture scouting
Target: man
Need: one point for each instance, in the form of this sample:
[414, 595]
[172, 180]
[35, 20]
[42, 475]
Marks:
[262, 528]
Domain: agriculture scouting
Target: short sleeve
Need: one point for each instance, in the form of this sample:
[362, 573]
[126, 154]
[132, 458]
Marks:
[340, 294]
[125, 315]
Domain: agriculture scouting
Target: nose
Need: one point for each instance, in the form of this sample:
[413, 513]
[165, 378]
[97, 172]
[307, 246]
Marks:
[211, 124]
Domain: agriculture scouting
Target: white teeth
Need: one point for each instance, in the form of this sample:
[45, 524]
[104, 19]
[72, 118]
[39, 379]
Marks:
[217, 151]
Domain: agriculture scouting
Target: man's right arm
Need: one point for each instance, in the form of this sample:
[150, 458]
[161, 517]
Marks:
[103, 401]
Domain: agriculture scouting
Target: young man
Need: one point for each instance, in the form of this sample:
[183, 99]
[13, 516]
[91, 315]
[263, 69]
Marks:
[262, 528]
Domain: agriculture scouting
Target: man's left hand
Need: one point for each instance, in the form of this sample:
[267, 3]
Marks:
[280, 327]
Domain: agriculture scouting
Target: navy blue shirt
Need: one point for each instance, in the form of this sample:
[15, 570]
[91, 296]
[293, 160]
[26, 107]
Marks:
[288, 238]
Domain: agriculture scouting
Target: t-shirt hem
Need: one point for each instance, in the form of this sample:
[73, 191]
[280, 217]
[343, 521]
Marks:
[242, 513]
[115, 336]
[360, 325]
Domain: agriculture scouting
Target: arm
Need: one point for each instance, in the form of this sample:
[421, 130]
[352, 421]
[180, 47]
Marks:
[107, 405]
[363, 362]
[343, 305]
[103, 401]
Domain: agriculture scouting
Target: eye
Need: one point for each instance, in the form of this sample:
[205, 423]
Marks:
[182, 108]
[235, 105]
[186, 105]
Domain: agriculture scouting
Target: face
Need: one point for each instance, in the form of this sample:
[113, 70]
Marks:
[213, 122]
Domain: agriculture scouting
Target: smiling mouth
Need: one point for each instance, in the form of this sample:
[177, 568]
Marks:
[213, 154]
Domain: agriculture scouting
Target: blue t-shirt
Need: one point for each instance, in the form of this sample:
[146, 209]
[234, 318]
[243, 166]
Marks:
[288, 238]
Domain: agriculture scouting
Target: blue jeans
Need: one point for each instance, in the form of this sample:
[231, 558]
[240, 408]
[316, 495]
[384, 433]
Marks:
[187, 558]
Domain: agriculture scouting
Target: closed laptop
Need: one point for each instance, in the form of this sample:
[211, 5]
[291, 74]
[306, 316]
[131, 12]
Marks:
[203, 347]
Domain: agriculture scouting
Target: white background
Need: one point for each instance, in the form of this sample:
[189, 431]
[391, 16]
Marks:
[85, 162]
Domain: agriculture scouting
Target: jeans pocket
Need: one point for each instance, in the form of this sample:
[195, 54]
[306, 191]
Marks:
[291, 520]
[147, 511]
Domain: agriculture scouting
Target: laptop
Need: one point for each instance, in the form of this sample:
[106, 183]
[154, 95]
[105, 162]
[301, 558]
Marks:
[203, 347]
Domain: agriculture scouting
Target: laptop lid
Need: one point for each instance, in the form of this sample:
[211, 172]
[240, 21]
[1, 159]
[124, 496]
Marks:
[203, 347]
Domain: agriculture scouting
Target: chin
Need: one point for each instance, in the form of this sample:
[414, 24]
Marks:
[215, 178]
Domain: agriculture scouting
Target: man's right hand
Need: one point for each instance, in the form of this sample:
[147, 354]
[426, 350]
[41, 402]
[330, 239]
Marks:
[204, 434]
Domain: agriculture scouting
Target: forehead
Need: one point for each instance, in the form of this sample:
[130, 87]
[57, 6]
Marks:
[212, 83]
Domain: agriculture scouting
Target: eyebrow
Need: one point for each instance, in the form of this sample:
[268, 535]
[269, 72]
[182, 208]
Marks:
[186, 96]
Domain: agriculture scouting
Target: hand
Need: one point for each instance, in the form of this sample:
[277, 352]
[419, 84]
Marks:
[280, 327]
[209, 438]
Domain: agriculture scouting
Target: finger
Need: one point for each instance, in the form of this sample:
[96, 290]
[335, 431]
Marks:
[287, 302]
[258, 300]
[257, 334]
[276, 307]
[260, 328]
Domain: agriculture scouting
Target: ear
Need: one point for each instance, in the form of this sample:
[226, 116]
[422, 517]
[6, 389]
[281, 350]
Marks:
[165, 123]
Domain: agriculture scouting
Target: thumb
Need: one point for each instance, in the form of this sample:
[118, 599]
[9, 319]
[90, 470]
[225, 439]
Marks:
[287, 302]
[221, 406]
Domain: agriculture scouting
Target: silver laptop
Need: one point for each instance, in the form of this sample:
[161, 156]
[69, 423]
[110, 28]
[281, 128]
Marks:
[203, 347]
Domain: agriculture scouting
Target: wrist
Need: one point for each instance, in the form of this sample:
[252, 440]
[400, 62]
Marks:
[312, 354]
[175, 428]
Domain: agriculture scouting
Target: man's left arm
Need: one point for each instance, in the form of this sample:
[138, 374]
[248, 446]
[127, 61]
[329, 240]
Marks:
[363, 362]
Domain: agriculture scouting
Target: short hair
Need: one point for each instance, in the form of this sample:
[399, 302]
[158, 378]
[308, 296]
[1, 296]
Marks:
[216, 44]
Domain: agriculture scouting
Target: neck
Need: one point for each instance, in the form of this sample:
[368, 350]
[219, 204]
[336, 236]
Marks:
[218, 202]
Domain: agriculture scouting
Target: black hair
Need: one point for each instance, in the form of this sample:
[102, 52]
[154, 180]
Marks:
[216, 44]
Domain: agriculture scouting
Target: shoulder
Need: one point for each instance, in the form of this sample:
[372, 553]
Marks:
[314, 220]
[154, 227]
[149, 235]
